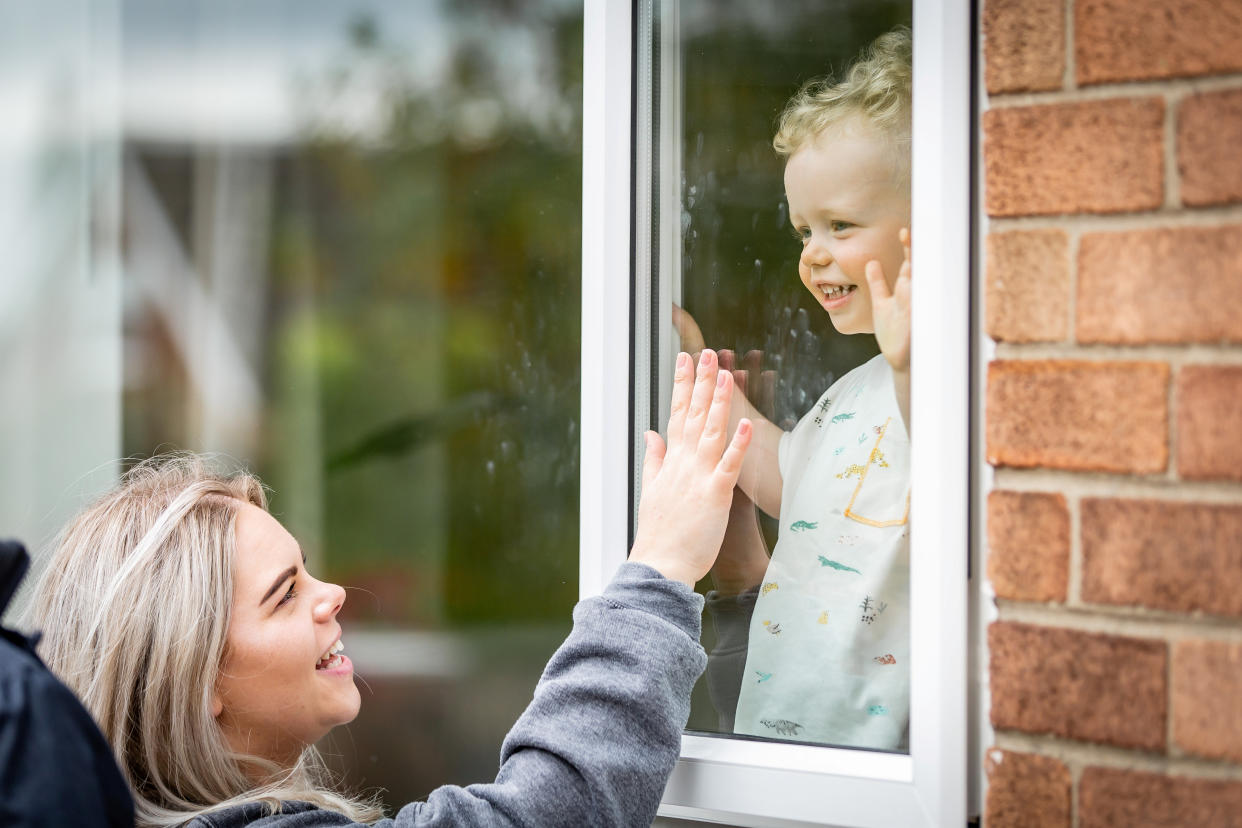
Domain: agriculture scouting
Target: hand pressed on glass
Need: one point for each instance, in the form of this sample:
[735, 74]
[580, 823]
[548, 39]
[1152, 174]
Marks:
[688, 484]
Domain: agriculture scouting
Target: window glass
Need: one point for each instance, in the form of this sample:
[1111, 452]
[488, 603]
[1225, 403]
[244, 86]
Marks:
[812, 644]
[349, 257]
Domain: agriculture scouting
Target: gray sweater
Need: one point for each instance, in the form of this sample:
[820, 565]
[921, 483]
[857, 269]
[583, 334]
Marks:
[598, 741]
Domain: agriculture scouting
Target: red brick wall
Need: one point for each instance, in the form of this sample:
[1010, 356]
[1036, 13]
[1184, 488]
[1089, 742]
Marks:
[1112, 171]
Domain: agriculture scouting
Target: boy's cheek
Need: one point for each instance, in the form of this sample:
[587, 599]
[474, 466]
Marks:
[804, 273]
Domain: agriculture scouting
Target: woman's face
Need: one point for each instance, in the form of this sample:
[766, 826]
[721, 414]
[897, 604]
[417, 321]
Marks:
[276, 693]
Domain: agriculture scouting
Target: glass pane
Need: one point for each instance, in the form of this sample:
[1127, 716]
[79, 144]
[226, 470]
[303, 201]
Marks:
[351, 261]
[808, 642]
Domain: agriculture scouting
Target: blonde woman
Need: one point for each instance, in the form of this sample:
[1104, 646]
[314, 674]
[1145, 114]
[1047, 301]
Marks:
[182, 614]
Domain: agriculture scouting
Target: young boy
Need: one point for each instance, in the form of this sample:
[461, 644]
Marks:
[828, 650]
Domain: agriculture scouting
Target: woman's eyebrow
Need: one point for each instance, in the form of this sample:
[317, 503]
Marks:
[280, 579]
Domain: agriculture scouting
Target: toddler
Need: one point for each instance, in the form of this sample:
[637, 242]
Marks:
[828, 648]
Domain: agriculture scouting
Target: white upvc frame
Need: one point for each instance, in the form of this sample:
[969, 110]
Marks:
[740, 782]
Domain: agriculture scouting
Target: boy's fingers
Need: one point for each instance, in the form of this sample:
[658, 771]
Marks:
[717, 421]
[683, 383]
[688, 330]
[767, 394]
[740, 380]
[730, 465]
[700, 399]
[653, 460]
[875, 280]
[905, 243]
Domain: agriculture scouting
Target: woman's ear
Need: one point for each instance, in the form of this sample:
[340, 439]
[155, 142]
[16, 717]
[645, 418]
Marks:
[217, 704]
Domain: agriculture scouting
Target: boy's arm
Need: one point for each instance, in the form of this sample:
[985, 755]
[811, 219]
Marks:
[890, 309]
[761, 471]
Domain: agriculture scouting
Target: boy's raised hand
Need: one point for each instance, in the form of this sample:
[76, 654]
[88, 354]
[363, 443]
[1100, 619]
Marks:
[688, 485]
[890, 309]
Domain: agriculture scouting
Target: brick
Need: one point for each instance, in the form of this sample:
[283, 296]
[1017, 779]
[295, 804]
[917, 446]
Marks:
[1207, 698]
[1209, 421]
[1078, 685]
[1028, 286]
[1088, 157]
[1209, 132]
[1023, 45]
[1079, 416]
[1026, 791]
[1126, 40]
[1109, 797]
[1028, 545]
[1180, 557]
[1169, 285]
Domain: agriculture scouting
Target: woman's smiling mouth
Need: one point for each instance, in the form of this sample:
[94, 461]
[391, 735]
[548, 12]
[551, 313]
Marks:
[332, 661]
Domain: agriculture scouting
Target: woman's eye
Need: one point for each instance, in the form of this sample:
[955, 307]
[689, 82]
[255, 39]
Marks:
[289, 595]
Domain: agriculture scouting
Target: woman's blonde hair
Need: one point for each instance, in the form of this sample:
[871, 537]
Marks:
[876, 88]
[134, 605]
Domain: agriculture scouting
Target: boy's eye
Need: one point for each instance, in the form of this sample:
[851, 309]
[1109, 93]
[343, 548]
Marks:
[839, 226]
[802, 234]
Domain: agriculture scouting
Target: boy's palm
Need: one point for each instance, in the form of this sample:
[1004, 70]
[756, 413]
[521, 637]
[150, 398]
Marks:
[890, 309]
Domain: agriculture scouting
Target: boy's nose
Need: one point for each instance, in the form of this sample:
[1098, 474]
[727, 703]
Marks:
[815, 254]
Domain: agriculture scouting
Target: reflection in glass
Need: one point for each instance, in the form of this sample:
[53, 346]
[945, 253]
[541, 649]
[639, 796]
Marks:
[350, 260]
[810, 644]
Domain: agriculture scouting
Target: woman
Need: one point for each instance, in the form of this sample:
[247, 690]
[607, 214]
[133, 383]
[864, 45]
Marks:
[182, 614]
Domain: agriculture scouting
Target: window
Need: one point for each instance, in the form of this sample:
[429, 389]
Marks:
[338, 242]
[709, 235]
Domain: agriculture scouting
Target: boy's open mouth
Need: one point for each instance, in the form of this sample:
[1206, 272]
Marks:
[837, 291]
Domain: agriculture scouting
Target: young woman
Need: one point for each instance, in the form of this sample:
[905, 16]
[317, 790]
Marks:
[182, 614]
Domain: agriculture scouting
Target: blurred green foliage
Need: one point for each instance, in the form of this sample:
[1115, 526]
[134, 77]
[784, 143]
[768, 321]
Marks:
[429, 291]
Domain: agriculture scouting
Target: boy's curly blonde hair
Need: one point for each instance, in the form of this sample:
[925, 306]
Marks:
[876, 87]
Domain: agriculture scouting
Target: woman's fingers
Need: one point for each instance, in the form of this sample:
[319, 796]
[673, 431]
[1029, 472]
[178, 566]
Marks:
[715, 428]
[700, 399]
[683, 384]
[730, 465]
[654, 458]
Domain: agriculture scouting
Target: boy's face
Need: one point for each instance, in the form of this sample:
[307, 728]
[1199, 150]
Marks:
[847, 204]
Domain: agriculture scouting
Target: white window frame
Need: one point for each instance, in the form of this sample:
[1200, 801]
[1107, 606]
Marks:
[740, 782]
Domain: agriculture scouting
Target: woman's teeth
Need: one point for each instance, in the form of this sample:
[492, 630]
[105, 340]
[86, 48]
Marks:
[330, 658]
[836, 291]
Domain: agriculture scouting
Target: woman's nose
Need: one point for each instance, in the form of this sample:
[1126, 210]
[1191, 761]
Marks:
[329, 602]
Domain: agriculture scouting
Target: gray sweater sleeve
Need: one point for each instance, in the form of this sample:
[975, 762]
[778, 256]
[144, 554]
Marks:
[598, 741]
[600, 738]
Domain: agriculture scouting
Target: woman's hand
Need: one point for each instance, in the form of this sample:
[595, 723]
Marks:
[688, 486]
